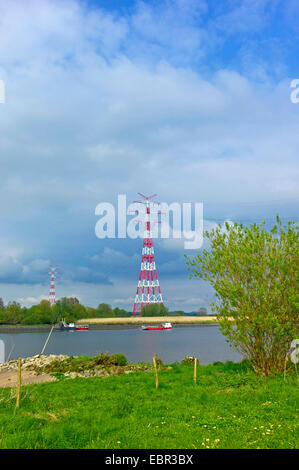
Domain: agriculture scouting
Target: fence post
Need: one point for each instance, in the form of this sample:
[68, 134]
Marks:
[155, 367]
[19, 383]
[195, 369]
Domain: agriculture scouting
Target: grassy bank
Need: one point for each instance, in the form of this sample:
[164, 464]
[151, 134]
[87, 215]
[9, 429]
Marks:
[147, 320]
[228, 407]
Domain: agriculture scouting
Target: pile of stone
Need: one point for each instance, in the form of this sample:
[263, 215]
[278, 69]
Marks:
[30, 363]
[39, 362]
[91, 373]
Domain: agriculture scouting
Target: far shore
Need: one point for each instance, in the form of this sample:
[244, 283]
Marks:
[135, 321]
[117, 323]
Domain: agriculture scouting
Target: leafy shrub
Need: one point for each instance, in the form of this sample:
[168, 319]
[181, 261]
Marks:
[119, 359]
[102, 359]
[255, 275]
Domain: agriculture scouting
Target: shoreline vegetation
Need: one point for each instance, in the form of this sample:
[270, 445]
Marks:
[228, 407]
[40, 317]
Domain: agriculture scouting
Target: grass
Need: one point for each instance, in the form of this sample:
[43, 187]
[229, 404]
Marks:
[228, 407]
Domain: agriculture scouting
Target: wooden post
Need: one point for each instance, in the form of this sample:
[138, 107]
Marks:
[285, 367]
[195, 369]
[47, 340]
[19, 383]
[156, 372]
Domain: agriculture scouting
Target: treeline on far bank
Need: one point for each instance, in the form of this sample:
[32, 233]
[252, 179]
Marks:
[67, 308]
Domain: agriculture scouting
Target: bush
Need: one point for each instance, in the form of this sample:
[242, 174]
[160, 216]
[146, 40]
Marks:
[102, 359]
[255, 274]
[119, 359]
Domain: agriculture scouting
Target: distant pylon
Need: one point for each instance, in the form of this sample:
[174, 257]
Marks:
[52, 297]
[148, 287]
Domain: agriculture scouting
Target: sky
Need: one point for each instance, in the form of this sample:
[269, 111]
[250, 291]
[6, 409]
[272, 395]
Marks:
[188, 99]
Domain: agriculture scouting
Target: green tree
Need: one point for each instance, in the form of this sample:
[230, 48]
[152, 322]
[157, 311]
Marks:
[71, 300]
[13, 313]
[154, 310]
[105, 311]
[120, 312]
[70, 309]
[255, 275]
[91, 312]
[40, 314]
[178, 313]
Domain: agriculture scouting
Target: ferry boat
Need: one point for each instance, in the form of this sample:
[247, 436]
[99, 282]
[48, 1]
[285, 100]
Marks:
[161, 326]
[72, 327]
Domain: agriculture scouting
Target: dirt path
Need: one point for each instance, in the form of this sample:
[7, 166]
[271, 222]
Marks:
[8, 378]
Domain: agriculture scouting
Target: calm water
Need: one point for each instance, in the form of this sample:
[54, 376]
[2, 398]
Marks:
[206, 342]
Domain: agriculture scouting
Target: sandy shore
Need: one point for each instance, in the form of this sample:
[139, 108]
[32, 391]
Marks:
[9, 370]
[8, 378]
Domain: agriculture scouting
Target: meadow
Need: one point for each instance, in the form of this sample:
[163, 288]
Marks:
[229, 407]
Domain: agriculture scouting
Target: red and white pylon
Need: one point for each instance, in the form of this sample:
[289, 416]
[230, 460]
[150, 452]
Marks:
[148, 287]
[52, 297]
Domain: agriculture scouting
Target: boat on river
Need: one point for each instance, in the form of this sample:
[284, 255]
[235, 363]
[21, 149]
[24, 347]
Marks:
[161, 326]
[72, 327]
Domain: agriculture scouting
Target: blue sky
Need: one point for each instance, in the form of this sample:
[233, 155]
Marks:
[187, 99]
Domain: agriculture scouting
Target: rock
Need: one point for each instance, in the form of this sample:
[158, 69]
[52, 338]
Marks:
[99, 373]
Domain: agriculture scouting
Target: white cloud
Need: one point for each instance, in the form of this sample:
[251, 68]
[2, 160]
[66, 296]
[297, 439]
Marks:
[32, 300]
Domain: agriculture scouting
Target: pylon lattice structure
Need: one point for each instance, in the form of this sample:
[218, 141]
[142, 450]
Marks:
[148, 287]
[52, 297]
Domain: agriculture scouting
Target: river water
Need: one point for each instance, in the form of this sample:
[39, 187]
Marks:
[205, 342]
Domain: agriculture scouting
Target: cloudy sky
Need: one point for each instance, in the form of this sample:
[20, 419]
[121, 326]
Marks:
[189, 99]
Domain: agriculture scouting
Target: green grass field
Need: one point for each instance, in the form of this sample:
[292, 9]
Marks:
[228, 407]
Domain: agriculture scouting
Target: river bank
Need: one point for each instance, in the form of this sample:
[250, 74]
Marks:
[115, 323]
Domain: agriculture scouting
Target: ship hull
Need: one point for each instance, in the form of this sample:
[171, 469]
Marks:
[157, 328]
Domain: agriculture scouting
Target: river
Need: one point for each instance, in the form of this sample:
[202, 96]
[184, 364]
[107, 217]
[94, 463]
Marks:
[205, 342]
